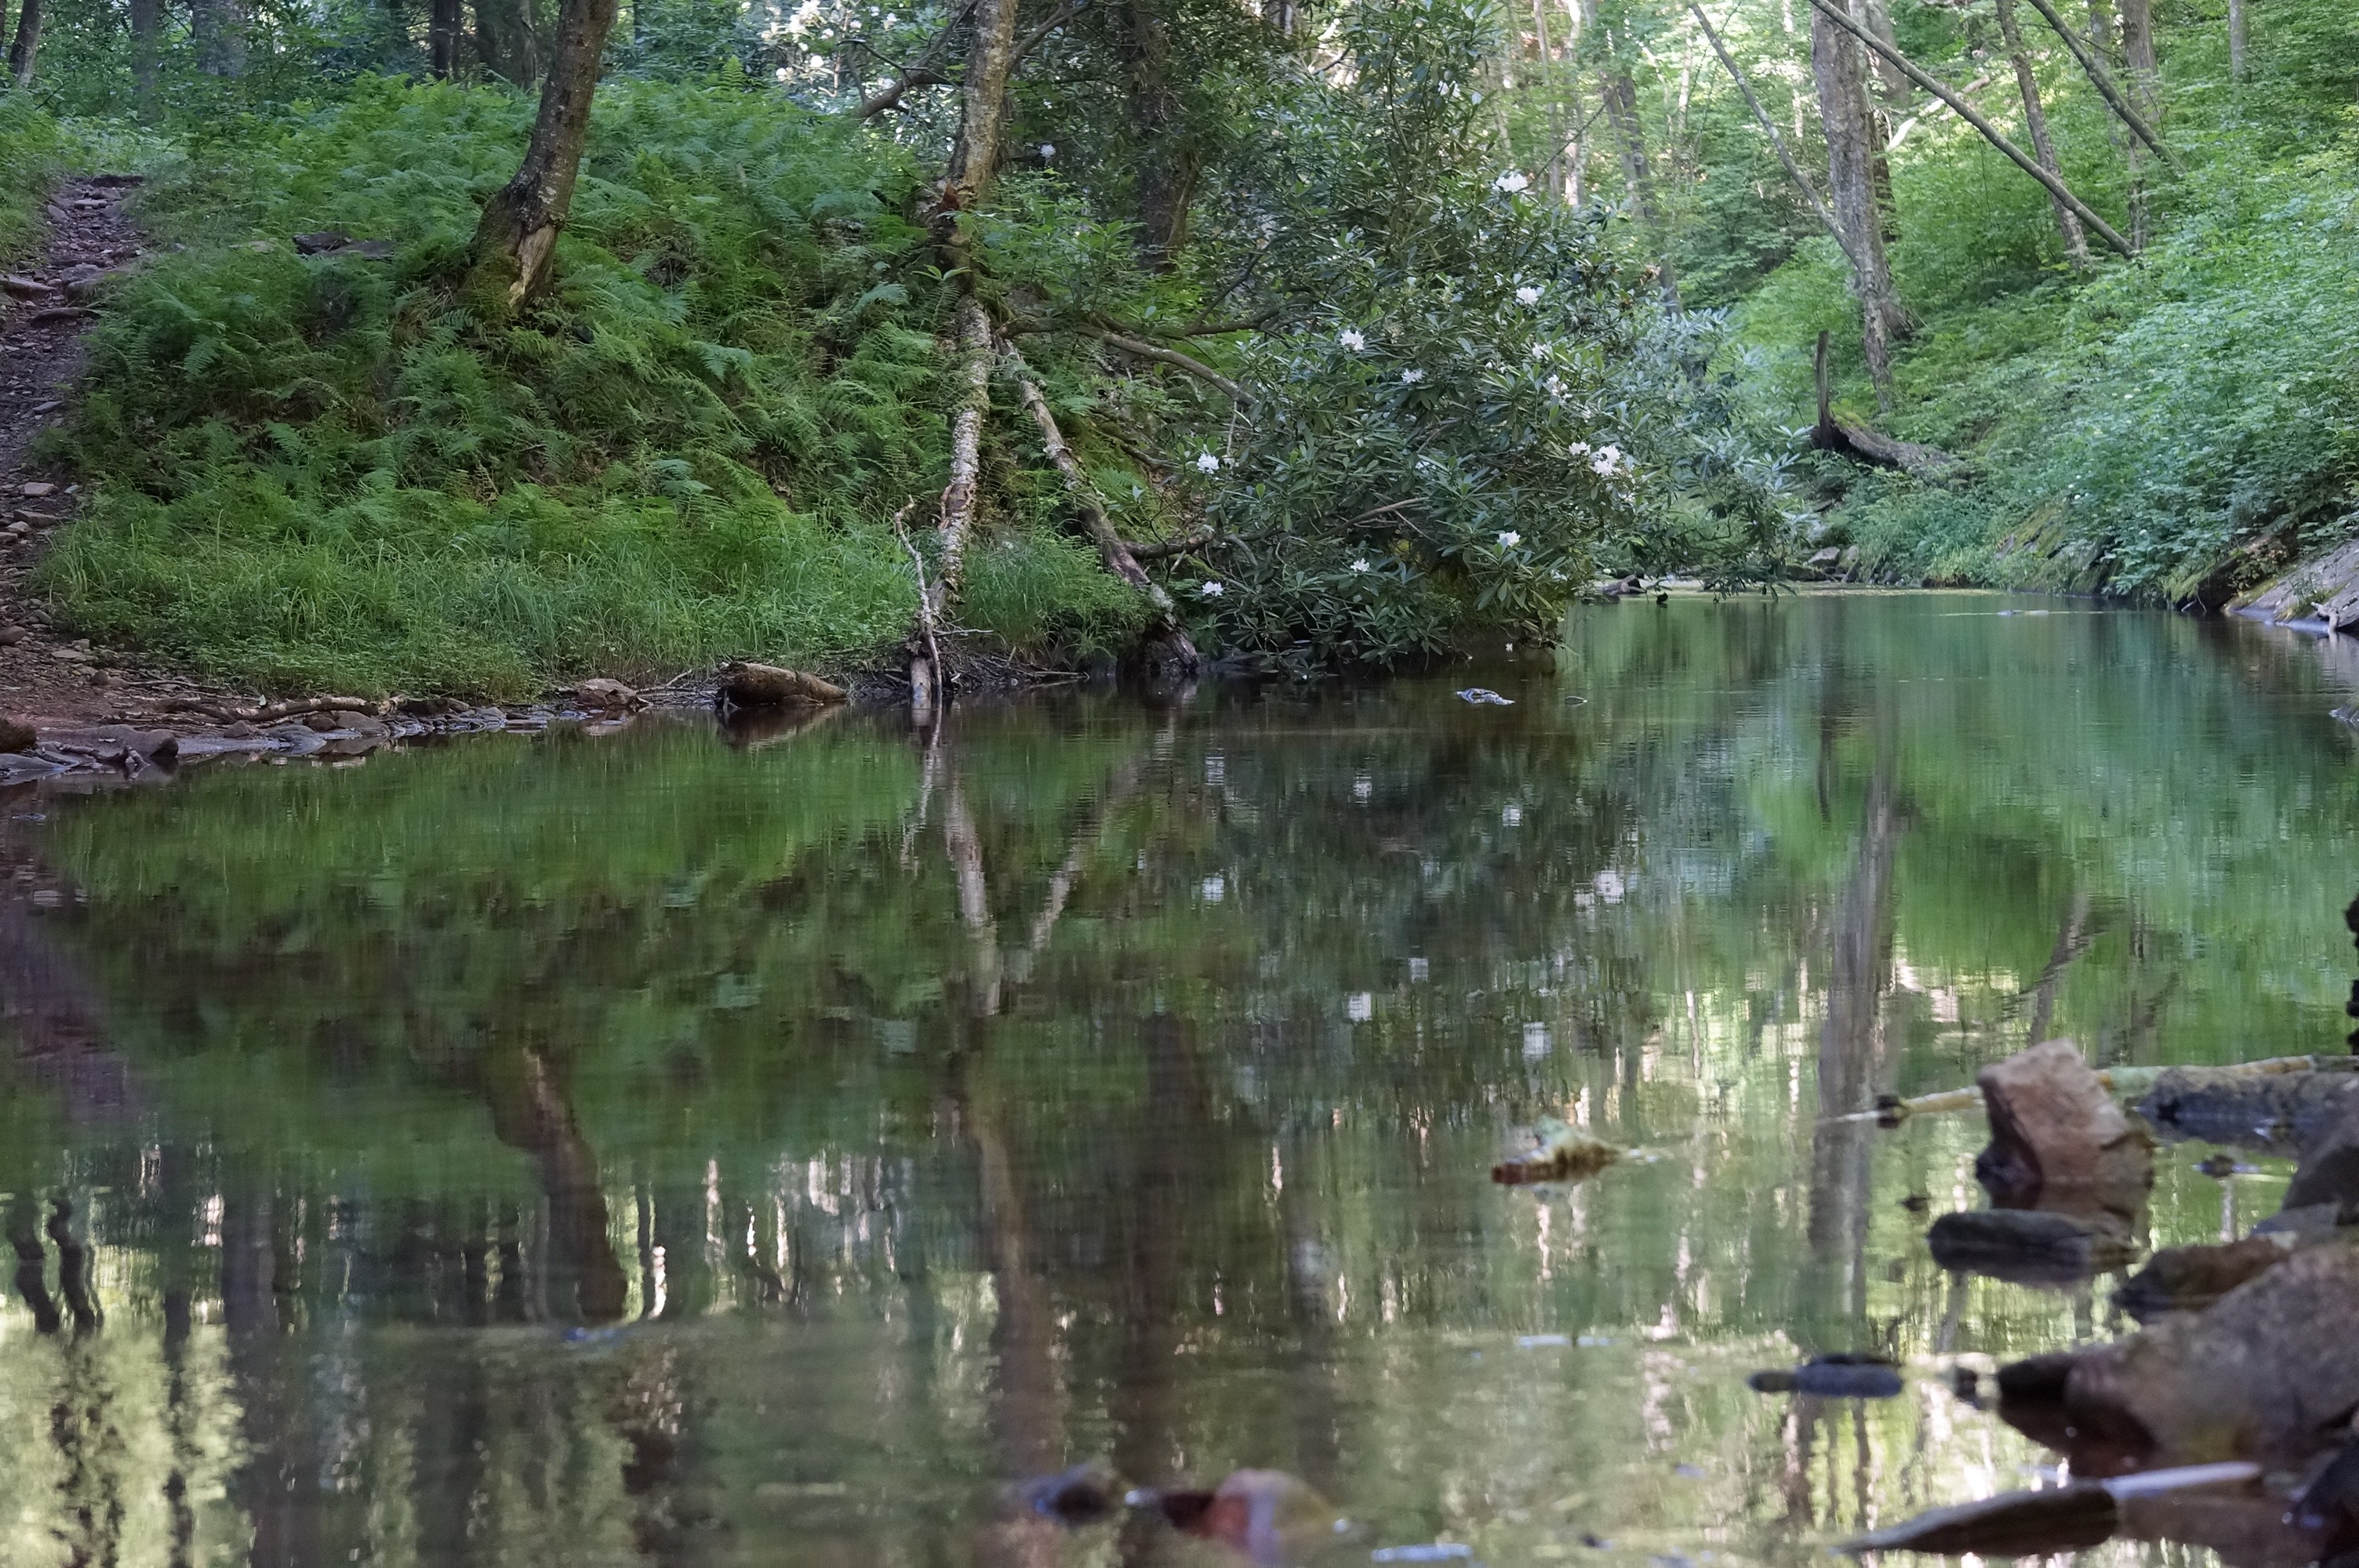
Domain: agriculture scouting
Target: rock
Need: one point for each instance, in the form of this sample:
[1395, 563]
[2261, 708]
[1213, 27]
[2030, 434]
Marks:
[12, 636]
[2013, 1524]
[320, 240]
[18, 286]
[2267, 1111]
[1268, 1515]
[2330, 1504]
[2031, 1246]
[2189, 1279]
[2058, 1139]
[2330, 1159]
[1838, 1377]
[17, 737]
[36, 489]
[324, 723]
[1079, 1496]
[1559, 1154]
[606, 696]
[767, 686]
[2265, 1373]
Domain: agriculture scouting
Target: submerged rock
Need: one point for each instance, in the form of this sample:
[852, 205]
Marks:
[15, 737]
[1086, 1493]
[2189, 1279]
[1837, 1376]
[1268, 1515]
[2029, 1245]
[2013, 1524]
[2265, 1373]
[2058, 1139]
[1559, 1154]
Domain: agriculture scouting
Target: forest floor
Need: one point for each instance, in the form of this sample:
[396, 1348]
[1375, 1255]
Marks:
[46, 677]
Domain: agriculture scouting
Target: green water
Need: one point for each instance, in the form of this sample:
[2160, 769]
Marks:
[1108, 1080]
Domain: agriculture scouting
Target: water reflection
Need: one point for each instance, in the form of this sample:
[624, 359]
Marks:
[646, 1149]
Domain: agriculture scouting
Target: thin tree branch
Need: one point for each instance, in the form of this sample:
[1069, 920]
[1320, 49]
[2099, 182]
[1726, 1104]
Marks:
[1973, 117]
[1031, 40]
[1165, 549]
[923, 72]
[1140, 349]
[2107, 86]
[1801, 180]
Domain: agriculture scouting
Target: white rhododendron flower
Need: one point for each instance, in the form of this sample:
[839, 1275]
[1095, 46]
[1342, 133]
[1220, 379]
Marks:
[1207, 463]
[1578, 448]
[1509, 183]
[1048, 151]
[1210, 590]
[1608, 458]
[1527, 295]
[1510, 539]
[1539, 351]
[1360, 565]
[1555, 385]
[1411, 377]
[1353, 339]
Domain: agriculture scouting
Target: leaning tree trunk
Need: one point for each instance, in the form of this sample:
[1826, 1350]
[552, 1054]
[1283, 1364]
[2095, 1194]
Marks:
[2035, 118]
[1852, 151]
[27, 44]
[514, 240]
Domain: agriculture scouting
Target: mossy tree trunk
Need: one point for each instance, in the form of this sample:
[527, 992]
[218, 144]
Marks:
[146, 41]
[517, 234]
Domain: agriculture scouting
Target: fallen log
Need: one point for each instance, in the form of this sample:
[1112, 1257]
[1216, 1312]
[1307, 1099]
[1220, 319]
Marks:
[267, 712]
[1862, 445]
[766, 685]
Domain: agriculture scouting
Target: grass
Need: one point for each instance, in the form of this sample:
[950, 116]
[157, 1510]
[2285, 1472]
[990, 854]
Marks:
[319, 471]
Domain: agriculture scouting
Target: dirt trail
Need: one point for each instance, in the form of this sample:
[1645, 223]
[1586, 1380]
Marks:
[46, 677]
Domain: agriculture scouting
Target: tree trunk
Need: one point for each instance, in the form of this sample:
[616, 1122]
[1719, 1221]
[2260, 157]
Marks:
[1619, 95]
[27, 44]
[518, 231]
[982, 107]
[219, 33]
[2137, 54]
[957, 517]
[2236, 41]
[1785, 155]
[444, 22]
[2076, 243]
[146, 35]
[504, 37]
[1847, 118]
[1876, 16]
[1166, 180]
[2101, 24]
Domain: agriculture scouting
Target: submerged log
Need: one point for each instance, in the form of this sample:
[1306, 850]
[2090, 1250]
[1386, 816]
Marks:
[2028, 1246]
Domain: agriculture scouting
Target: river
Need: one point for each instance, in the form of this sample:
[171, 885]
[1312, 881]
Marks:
[663, 1149]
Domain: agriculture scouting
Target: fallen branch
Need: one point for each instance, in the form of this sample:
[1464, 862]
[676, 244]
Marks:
[1862, 445]
[2107, 87]
[1163, 549]
[1178, 650]
[2117, 1080]
[267, 712]
[1975, 117]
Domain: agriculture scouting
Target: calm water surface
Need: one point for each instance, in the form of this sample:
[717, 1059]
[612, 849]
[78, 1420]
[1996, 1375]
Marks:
[650, 1149]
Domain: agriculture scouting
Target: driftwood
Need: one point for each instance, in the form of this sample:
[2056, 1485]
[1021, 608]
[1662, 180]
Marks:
[1559, 1154]
[267, 712]
[1862, 445]
[767, 686]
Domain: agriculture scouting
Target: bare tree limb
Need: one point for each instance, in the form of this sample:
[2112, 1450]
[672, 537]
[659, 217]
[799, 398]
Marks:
[2111, 90]
[1032, 40]
[1140, 349]
[1973, 117]
[925, 71]
[1163, 549]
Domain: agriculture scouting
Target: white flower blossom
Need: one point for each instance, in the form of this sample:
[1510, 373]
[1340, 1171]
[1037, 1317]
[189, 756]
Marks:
[1527, 295]
[1210, 590]
[1353, 339]
[1608, 458]
[1360, 565]
[1578, 448]
[1411, 377]
[1539, 351]
[1207, 463]
[1510, 539]
[1048, 151]
[1554, 385]
[1509, 183]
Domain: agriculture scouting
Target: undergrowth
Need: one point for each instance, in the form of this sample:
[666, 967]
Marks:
[316, 469]
[31, 150]
[2173, 429]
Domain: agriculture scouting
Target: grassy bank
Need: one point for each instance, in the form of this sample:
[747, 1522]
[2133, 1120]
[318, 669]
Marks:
[2174, 428]
[317, 470]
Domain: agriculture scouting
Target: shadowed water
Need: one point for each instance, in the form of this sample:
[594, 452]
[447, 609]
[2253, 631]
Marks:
[653, 1149]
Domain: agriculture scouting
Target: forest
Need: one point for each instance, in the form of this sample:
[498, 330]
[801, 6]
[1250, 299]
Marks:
[473, 347]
